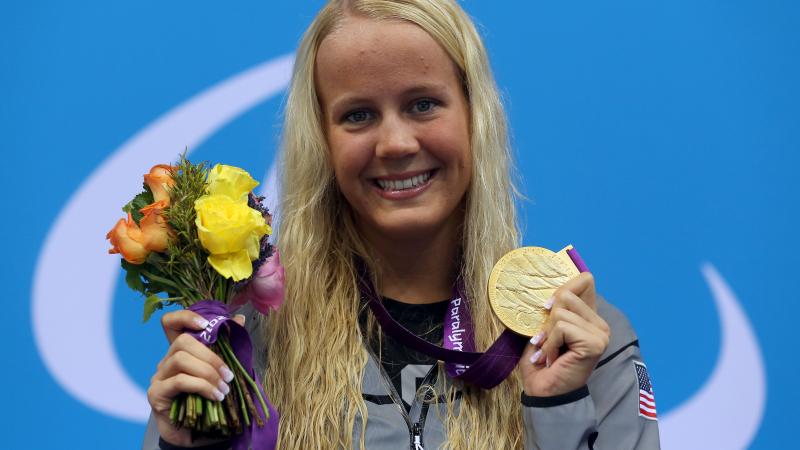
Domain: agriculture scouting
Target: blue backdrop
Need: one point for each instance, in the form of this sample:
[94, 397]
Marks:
[661, 138]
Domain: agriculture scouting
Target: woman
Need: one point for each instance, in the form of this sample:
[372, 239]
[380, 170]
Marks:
[396, 154]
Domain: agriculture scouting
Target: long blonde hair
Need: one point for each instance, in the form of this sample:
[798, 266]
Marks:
[316, 348]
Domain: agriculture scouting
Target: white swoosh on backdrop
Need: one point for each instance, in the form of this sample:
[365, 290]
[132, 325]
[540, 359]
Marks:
[78, 349]
[727, 411]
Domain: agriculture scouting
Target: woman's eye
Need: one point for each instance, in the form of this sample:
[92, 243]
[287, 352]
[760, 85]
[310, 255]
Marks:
[423, 106]
[357, 117]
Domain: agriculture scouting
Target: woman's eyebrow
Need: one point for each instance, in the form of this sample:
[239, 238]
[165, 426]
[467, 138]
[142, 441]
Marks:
[347, 100]
[426, 88]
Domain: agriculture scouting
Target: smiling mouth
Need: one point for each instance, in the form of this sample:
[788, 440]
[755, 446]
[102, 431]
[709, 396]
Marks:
[405, 183]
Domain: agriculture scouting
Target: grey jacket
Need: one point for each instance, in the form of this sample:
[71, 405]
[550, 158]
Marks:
[602, 416]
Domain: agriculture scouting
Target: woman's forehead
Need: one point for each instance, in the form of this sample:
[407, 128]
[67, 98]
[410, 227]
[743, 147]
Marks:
[362, 52]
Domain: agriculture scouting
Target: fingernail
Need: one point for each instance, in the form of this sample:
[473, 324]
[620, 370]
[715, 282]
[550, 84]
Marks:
[536, 356]
[547, 362]
[538, 338]
[223, 386]
[202, 323]
[218, 395]
[226, 373]
[549, 303]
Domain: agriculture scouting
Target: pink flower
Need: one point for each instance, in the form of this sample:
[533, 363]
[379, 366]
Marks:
[265, 289]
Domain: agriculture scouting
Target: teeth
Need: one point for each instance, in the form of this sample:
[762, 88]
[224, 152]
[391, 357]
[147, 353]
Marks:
[408, 183]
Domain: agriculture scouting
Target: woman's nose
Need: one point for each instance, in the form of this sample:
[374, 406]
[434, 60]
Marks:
[396, 139]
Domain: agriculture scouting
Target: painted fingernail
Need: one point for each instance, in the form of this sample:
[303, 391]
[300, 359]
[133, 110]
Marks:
[218, 395]
[202, 323]
[226, 373]
[223, 386]
[549, 303]
[538, 338]
[536, 356]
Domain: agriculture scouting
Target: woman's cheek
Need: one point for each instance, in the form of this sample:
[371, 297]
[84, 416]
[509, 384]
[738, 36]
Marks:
[351, 157]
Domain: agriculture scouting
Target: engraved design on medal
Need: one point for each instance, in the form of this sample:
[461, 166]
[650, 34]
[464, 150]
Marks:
[522, 281]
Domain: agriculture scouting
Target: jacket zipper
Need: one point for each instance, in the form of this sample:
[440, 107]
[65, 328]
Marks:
[419, 426]
[417, 435]
[423, 412]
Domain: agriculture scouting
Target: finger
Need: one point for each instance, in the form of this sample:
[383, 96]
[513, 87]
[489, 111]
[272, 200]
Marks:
[567, 334]
[565, 315]
[240, 319]
[556, 339]
[583, 287]
[162, 391]
[537, 339]
[532, 351]
[185, 342]
[559, 313]
[184, 362]
[175, 322]
[565, 299]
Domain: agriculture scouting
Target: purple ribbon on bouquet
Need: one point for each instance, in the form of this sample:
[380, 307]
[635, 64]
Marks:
[217, 314]
[485, 370]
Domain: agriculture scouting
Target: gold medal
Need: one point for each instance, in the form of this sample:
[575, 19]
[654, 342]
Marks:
[522, 281]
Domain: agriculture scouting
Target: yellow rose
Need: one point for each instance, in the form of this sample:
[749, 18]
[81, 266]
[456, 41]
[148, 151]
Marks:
[230, 181]
[231, 232]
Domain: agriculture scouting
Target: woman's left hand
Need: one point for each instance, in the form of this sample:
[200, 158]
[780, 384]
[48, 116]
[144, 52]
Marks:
[572, 341]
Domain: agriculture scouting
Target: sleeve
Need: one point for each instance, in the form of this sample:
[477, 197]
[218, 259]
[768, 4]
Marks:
[607, 414]
[152, 441]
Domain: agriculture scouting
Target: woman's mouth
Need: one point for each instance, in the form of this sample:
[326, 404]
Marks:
[404, 184]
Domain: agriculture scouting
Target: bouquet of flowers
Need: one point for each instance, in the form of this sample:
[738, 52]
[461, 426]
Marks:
[198, 237]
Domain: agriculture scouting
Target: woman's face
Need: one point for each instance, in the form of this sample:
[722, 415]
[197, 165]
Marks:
[397, 125]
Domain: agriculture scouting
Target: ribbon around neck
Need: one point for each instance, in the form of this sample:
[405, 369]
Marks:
[485, 370]
[217, 314]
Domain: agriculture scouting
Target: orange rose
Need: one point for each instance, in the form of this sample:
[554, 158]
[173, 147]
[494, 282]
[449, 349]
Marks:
[155, 232]
[126, 239]
[159, 180]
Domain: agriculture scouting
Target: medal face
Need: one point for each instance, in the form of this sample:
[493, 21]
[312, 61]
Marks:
[522, 281]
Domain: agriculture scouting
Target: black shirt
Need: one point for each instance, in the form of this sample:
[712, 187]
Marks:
[405, 367]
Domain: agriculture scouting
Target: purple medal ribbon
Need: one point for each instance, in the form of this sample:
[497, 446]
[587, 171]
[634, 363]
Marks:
[458, 330]
[485, 370]
[217, 314]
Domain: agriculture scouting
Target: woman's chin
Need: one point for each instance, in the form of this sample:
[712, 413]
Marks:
[414, 227]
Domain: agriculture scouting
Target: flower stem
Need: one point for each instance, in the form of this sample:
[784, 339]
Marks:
[237, 386]
[173, 410]
[226, 347]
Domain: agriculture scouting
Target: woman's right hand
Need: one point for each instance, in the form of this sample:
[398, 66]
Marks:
[188, 366]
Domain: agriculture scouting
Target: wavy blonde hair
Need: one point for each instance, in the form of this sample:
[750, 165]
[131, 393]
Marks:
[317, 347]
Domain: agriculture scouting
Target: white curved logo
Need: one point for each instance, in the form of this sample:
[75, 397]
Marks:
[77, 349]
[727, 411]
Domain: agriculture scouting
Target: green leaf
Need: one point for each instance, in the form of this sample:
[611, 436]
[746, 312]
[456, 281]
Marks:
[133, 276]
[141, 200]
[151, 304]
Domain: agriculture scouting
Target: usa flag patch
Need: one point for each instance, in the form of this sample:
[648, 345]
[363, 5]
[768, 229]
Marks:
[647, 401]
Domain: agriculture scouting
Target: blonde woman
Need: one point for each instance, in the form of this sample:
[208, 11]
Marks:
[396, 160]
